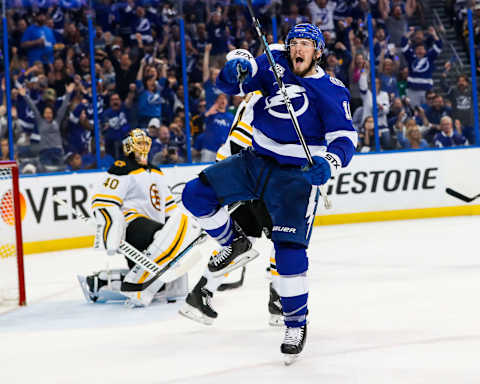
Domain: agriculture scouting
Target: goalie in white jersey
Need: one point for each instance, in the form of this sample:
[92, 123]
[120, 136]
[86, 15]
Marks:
[134, 203]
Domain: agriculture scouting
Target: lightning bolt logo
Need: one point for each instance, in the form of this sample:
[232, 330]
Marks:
[293, 92]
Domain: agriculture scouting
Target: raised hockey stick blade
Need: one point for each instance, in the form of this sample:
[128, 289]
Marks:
[458, 195]
[286, 99]
[133, 254]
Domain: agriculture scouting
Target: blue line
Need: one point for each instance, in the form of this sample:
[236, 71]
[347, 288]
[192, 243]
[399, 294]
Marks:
[7, 88]
[473, 70]
[372, 79]
[185, 90]
[94, 90]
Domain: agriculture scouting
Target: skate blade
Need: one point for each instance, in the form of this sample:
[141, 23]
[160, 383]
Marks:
[194, 314]
[289, 359]
[276, 321]
[243, 259]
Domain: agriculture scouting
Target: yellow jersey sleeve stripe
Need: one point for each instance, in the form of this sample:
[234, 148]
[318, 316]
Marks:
[169, 198]
[157, 171]
[103, 205]
[274, 273]
[109, 197]
[133, 217]
[246, 126]
[220, 156]
[171, 208]
[238, 136]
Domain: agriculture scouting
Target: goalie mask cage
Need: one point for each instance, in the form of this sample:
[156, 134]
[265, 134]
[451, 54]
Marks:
[12, 281]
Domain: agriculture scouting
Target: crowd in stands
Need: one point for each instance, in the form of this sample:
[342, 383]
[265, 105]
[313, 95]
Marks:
[139, 75]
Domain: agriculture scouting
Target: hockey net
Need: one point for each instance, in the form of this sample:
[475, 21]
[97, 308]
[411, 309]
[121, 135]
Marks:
[12, 282]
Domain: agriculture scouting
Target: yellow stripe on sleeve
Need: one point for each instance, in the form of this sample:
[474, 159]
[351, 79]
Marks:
[238, 136]
[108, 197]
[246, 126]
[103, 205]
[128, 219]
[220, 156]
[168, 209]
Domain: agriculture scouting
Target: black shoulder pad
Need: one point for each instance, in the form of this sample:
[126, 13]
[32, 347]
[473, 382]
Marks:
[124, 167]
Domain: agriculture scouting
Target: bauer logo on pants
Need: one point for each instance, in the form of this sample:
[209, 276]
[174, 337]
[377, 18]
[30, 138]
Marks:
[278, 228]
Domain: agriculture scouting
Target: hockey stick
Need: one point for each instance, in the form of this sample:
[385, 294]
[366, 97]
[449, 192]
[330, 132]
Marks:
[233, 285]
[286, 99]
[458, 195]
[139, 258]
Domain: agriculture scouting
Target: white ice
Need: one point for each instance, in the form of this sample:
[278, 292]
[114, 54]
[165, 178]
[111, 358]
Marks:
[392, 302]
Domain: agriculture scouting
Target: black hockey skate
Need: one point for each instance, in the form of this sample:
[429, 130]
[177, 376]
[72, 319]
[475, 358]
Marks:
[232, 256]
[198, 304]
[293, 343]
[275, 308]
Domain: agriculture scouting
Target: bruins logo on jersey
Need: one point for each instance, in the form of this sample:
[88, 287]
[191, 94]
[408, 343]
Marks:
[155, 197]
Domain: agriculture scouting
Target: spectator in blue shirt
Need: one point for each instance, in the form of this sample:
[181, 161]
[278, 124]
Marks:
[447, 137]
[217, 125]
[209, 78]
[149, 102]
[115, 125]
[38, 40]
[218, 37]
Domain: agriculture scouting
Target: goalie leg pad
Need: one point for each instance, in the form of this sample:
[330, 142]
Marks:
[176, 289]
[179, 231]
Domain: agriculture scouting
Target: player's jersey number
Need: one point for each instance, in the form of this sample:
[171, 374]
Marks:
[111, 183]
[346, 108]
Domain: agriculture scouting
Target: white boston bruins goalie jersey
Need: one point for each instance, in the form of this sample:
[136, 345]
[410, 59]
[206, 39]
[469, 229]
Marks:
[139, 191]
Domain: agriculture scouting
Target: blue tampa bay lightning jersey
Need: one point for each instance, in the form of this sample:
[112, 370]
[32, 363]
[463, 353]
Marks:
[321, 104]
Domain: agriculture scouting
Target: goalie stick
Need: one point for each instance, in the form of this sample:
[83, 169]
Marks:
[458, 195]
[139, 258]
[286, 99]
[169, 272]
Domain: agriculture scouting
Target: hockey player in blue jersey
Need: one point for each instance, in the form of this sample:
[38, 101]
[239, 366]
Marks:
[275, 168]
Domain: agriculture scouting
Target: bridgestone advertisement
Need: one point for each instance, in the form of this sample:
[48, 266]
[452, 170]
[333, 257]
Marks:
[372, 183]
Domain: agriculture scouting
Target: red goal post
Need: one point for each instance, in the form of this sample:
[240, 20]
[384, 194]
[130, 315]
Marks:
[11, 242]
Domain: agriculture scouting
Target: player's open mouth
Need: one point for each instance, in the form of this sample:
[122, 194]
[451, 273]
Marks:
[298, 60]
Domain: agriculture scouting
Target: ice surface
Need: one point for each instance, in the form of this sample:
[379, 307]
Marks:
[392, 302]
